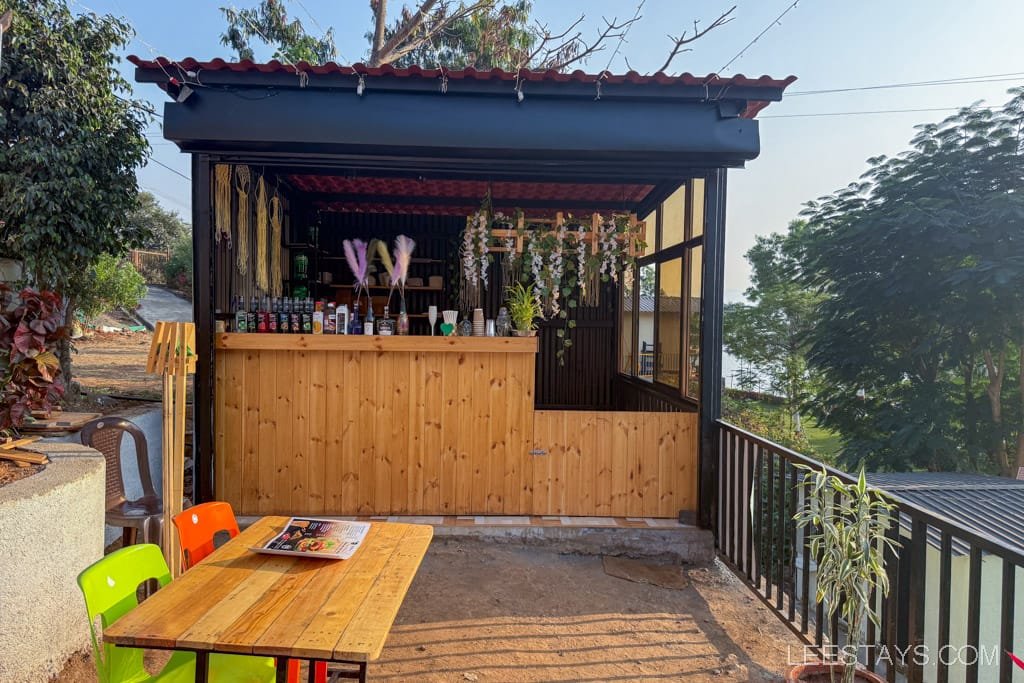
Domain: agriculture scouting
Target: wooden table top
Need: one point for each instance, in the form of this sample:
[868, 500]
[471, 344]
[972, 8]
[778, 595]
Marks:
[238, 601]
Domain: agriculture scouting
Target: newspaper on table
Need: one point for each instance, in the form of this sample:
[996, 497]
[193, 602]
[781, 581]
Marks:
[315, 537]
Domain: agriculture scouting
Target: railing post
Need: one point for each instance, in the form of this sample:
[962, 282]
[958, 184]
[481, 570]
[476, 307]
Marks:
[711, 343]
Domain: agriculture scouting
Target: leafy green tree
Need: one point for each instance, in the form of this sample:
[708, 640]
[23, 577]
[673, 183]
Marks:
[483, 34]
[71, 144]
[164, 228]
[113, 283]
[178, 269]
[495, 36]
[771, 333]
[921, 331]
[269, 21]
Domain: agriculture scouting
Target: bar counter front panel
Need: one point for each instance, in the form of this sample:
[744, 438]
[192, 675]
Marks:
[358, 425]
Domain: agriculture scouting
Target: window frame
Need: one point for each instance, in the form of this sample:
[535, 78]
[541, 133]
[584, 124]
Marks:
[682, 250]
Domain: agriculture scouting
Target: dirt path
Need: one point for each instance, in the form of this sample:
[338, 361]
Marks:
[480, 612]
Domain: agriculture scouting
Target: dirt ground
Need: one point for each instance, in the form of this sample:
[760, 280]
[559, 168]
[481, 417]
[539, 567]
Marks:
[481, 612]
[115, 363]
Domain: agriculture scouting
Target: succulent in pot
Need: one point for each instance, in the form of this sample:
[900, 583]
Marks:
[848, 524]
[524, 308]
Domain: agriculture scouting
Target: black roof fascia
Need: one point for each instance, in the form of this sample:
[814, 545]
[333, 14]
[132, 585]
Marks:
[347, 82]
[542, 137]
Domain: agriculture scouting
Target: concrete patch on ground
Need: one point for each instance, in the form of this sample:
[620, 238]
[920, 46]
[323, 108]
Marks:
[52, 529]
[663, 575]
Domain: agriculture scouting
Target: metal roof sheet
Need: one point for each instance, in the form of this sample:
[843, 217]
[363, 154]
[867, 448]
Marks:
[991, 505]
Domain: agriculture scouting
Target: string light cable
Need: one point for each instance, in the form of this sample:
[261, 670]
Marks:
[775, 22]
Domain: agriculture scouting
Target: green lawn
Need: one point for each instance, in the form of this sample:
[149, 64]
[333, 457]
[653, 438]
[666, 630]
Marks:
[825, 442]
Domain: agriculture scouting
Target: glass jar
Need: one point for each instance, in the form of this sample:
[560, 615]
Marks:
[503, 323]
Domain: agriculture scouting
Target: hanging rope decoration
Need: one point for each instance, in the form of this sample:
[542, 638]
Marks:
[222, 197]
[276, 221]
[262, 230]
[242, 186]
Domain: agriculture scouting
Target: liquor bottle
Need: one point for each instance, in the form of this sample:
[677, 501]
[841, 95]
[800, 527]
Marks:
[250, 318]
[368, 322]
[318, 318]
[275, 306]
[307, 316]
[296, 316]
[343, 319]
[331, 319]
[355, 326]
[386, 326]
[263, 316]
[284, 317]
[403, 320]
[241, 319]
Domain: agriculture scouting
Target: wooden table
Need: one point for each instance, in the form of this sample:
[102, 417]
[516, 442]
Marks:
[240, 602]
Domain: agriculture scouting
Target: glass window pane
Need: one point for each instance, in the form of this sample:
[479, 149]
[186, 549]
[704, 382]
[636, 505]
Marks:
[626, 326]
[645, 317]
[697, 207]
[670, 323]
[693, 314]
[673, 217]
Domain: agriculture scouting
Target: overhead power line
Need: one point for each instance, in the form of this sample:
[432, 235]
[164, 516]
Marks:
[965, 80]
[172, 170]
[860, 113]
[776, 22]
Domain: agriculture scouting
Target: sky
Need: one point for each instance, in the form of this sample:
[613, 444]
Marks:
[827, 44]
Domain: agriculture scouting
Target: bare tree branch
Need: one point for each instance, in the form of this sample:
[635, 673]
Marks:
[559, 55]
[682, 40]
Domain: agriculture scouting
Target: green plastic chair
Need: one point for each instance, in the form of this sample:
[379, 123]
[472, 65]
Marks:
[110, 589]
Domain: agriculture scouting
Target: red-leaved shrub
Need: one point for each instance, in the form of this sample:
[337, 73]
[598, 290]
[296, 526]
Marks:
[29, 333]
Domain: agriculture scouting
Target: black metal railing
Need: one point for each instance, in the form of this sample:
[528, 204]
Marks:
[942, 578]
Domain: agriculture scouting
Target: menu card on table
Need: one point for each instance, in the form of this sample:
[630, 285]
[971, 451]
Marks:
[330, 539]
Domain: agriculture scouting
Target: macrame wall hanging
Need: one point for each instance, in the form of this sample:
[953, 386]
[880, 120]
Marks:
[262, 230]
[242, 186]
[276, 222]
[222, 205]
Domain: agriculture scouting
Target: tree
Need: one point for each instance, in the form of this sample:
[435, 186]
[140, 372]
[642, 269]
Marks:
[113, 283]
[922, 324]
[771, 333]
[268, 22]
[71, 143]
[482, 34]
[164, 228]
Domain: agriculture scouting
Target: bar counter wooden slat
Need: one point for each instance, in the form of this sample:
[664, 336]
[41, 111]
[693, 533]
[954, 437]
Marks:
[343, 424]
[346, 342]
[360, 425]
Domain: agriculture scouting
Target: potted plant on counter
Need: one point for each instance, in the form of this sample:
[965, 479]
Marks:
[524, 308]
[848, 524]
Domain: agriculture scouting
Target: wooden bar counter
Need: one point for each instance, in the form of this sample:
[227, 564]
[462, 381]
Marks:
[339, 424]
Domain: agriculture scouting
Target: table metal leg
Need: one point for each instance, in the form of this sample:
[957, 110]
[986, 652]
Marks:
[282, 670]
[202, 667]
[311, 676]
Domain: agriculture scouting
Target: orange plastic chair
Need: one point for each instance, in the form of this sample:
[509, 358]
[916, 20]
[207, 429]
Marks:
[197, 528]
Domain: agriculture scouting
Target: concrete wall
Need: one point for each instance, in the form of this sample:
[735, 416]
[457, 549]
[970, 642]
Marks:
[51, 528]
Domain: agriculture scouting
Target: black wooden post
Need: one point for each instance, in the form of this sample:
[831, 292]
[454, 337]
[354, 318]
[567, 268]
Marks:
[711, 343]
[202, 311]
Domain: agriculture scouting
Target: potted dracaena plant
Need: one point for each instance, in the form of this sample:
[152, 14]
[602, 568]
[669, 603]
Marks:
[848, 525]
[524, 308]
